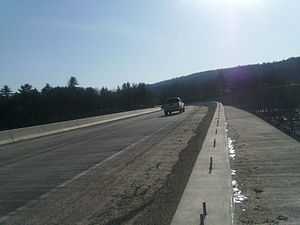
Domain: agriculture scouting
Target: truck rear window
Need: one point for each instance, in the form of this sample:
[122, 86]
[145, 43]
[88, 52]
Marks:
[172, 100]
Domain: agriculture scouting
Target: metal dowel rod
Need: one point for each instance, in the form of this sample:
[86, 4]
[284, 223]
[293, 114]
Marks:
[201, 219]
[204, 208]
[210, 164]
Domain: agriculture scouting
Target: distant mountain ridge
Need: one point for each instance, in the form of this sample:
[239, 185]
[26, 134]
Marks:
[288, 70]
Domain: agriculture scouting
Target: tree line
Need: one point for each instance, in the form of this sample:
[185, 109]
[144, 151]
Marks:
[270, 90]
[29, 106]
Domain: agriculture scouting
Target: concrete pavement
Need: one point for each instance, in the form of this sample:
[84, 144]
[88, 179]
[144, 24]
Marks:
[212, 187]
[267, 165]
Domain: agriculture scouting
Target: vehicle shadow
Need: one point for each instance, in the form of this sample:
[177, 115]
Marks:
[172, 114]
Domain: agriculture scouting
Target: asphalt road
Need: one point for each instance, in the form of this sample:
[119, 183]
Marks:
[31, 168]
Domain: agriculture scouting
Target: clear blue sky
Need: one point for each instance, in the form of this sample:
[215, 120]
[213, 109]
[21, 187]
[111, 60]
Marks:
[104, 43]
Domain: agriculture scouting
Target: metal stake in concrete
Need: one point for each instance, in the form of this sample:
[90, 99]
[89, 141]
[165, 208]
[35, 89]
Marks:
[216, 131]
[210, 164]
[204, 208]
[201, 219]
[214, 143]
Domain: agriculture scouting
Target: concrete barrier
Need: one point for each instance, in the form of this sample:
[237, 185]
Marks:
[6, 136]
[15, 135]
[207, 198]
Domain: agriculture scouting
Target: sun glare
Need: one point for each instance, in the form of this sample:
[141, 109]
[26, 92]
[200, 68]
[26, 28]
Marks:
[227, 3]
[247, 3]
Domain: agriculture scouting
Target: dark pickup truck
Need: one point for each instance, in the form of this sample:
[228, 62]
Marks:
[172, 105]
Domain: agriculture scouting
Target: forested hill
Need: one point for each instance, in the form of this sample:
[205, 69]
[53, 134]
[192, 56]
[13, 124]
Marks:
[217, 83]
[270, 90]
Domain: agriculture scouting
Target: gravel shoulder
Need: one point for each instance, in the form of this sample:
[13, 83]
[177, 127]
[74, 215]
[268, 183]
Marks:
[141, 185]
[267, 171]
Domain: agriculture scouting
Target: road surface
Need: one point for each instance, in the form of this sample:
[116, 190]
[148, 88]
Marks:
[30, 169]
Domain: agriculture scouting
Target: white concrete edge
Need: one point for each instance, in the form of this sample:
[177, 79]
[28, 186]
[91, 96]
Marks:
[42, 134]
[219, 109]
[229, 162]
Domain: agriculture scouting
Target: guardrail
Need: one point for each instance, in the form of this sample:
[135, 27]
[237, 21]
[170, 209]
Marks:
[15, 135]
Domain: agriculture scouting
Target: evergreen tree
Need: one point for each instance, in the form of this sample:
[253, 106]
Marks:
[5, 91]
[46, 89]
[72, 83]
